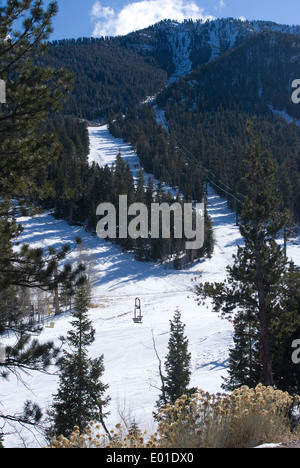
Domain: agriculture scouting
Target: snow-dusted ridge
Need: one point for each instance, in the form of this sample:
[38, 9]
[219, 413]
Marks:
[187, 37]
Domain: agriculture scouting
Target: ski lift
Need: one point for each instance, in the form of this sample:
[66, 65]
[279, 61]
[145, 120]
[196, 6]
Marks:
[138, 318]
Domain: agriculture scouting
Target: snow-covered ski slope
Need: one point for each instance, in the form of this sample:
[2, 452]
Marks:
[131, 366]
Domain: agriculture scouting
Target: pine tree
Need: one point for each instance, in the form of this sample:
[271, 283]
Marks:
[255, 280]
[244, 363]
[140, 194]
[80, 397]
[286, 329]
[177, 365]
[31, 93]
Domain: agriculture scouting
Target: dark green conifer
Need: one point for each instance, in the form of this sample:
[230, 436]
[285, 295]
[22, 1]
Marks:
[254, 280]
[80, 397]
[31, 93]
[177, 365]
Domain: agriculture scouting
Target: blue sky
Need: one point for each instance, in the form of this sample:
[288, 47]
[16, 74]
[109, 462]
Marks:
[77, 18]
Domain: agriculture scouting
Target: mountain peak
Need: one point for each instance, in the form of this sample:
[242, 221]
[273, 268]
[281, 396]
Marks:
[181, 46]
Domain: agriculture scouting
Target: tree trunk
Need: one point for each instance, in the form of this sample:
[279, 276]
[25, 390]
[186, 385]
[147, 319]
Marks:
[265, 342]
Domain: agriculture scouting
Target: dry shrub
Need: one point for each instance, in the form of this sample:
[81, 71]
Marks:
[93, 437]
[246, 418]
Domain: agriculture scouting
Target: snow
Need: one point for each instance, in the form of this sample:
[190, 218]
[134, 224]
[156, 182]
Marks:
[104, 149]
[288, 118]
[131, 366]
[103, 152]
[181, 48]
[264, 446]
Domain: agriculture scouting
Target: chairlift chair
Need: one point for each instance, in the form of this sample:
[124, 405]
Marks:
[137, 318]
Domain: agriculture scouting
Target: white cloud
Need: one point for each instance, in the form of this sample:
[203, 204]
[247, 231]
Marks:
[138, 15]
[221, 5]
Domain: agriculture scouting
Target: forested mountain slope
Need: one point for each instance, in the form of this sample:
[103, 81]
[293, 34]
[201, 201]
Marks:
[108, 77]
[208, 79]
[208, 110]
[181, 47]
[112, 74]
